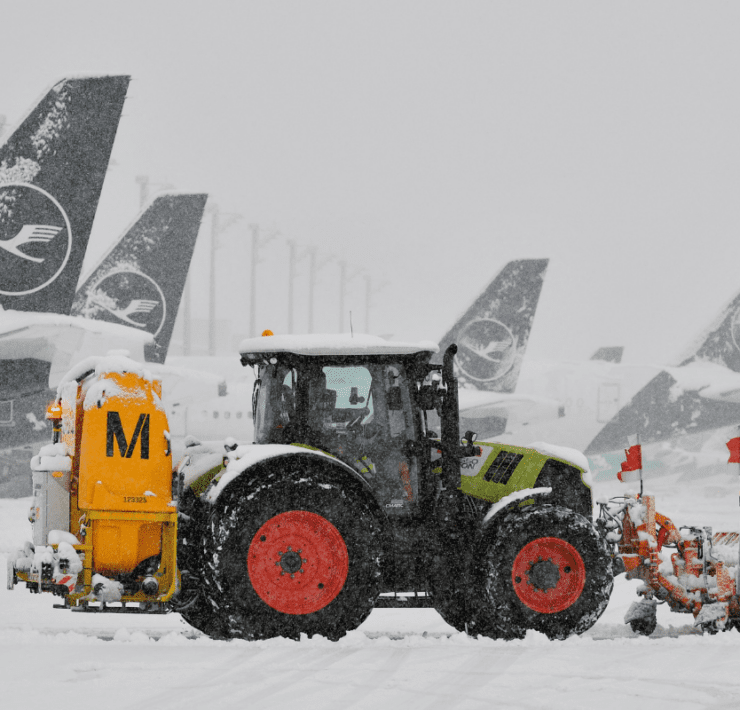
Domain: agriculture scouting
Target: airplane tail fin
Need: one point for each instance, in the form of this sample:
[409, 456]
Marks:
[52, 169]
[720, 341]
[609, 354]
[140, 281]
[492, 334]
[672, 405]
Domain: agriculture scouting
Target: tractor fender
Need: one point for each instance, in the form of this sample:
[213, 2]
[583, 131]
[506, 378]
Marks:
[252, 460]
[512, 502]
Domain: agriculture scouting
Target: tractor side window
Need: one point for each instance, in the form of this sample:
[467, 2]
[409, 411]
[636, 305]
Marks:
[399, 405]
[391, 470]
[287, 399]
[272, 407]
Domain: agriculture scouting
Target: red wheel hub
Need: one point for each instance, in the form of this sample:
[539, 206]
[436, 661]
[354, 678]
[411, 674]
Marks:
[548, 575]
[297, 562]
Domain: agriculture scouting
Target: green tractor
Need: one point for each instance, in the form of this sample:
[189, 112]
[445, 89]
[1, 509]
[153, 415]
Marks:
[359, 492]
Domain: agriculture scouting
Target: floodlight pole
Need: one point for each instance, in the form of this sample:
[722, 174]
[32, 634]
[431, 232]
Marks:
[344, 276]
[218, 226]
[369, 291]
[342, 287]
[291, 278]
[313, 269]
[311, 284]
[212, 284]
[293, 259]
[257, 242]
[145, 185]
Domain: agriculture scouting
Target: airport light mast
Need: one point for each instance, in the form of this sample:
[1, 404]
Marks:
[258, 241]
[314, 268]
[220, 222]
[344, 276]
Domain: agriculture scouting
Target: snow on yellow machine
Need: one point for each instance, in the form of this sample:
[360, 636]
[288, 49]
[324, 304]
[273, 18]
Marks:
[104, 509]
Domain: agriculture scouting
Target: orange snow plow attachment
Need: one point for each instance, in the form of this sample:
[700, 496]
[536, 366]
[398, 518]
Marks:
[696, 580]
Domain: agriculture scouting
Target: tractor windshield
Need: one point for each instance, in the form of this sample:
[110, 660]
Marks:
[339, 398]
[362, 414]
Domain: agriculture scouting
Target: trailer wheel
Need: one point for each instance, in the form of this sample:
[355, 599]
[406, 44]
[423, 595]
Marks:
[292, 555]
[544, 568]
[645, 627]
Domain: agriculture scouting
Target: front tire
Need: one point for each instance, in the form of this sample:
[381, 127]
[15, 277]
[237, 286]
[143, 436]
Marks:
[545, 568]
[296, 550]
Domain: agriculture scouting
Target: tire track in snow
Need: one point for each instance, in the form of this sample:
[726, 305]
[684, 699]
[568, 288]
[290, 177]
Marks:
[229, 688]
[417, 676]
[354, 692]
[491, 663]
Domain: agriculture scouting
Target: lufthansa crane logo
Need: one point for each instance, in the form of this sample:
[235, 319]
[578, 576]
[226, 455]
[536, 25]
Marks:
[486, 350]
[130, 297]
[35, 239]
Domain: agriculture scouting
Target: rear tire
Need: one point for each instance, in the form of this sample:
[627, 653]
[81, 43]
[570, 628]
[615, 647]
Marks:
[452, 599]
[191, 602]
[455, 587]
[544, 568]
[294, 551]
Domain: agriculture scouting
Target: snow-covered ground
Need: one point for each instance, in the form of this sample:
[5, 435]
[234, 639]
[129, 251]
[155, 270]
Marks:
[397, 660]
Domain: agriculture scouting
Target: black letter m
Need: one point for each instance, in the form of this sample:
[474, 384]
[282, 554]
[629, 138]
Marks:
[115, 431]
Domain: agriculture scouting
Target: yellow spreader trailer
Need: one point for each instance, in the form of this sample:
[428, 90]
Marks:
[104, 509]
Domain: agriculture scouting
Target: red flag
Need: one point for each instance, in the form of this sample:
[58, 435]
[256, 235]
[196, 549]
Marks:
[633, 462]
[734, 446]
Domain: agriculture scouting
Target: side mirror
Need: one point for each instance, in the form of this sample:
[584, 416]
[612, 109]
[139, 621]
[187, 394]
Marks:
[426, 397]
[430, 397]
[468, 449]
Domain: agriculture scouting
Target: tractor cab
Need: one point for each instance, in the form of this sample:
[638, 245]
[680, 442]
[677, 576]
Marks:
[354, 398]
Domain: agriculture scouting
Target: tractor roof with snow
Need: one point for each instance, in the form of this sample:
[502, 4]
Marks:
[335, 391]
[256, 350]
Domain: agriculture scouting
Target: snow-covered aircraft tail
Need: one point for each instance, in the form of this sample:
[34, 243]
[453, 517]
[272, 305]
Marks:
[492, 334]
[492, 337]
[700, 394]
[609, 354]
[52, 169]
[140, 281]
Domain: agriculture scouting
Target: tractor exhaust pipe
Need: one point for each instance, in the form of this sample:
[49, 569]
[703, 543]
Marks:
[450, 422]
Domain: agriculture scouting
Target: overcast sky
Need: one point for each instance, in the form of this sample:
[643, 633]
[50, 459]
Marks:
[428, 143]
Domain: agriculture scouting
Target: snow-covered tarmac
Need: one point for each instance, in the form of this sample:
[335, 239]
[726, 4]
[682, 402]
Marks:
[397, 660]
